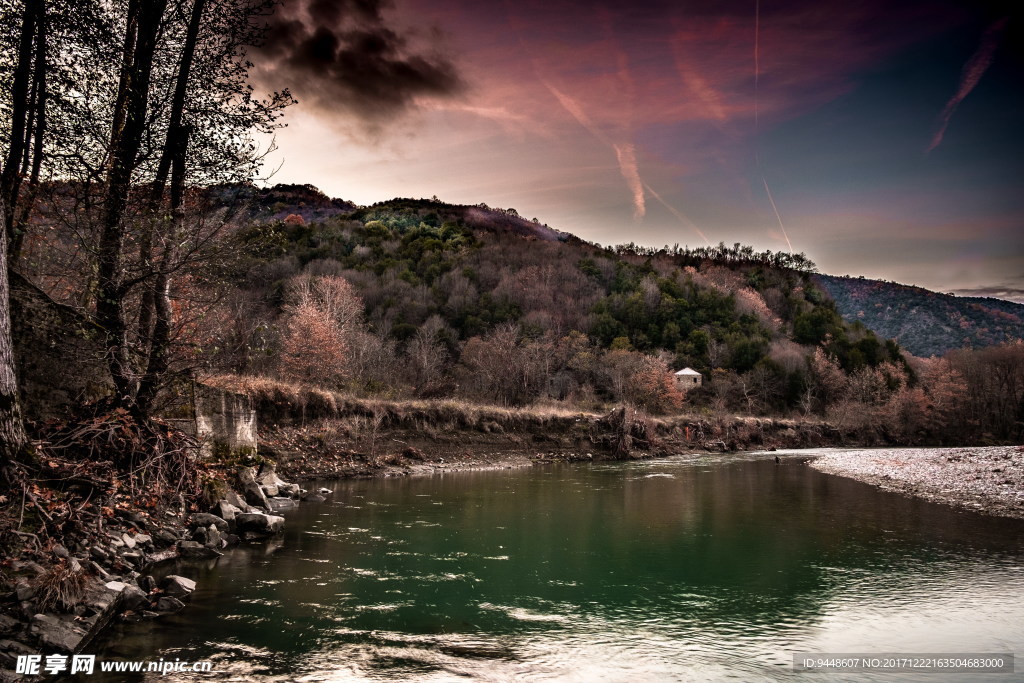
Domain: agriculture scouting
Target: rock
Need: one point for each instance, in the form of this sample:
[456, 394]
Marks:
[214, 538]
[165, 537]
[100, 572]
[131, 516]
[147, 583]
[250, 522]
[250, 489]
[56, 634]
[201, 535]
[143, 539]
[227, 511]
[232, 498]
[196, 551]
[315, 498]
[269, 480]
[129, 542]
[163, 556]
[230, 540]
[206, 519]
[60, 551]
[169, 604]
[177, 586]
[98, 553]
[133, 598]
[135, 558]
[9, 625]
[270, 491]
[325, 492]
[293, 490]
[278, 503]
[23, 592]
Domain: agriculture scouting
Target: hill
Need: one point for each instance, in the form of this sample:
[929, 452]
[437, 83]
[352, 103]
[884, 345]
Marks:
[925, 323]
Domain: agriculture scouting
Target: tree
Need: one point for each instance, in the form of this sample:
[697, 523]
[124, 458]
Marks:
[151, 93]
[313, 350]
[12, 430]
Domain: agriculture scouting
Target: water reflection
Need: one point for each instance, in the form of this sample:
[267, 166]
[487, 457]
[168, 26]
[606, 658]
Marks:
[690, 568]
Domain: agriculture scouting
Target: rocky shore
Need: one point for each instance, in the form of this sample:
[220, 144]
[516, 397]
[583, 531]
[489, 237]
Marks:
[989, 480]
[60, 595]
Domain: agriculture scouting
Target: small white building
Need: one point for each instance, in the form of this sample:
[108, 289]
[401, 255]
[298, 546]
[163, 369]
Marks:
[688, 378]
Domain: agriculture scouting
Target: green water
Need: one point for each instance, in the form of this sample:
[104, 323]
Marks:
[689, 568]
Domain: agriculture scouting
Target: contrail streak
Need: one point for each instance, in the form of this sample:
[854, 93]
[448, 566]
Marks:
[624, 154]
[757, 61]
[678, 214]
[757, 153]
[972, 72]
[777, 216]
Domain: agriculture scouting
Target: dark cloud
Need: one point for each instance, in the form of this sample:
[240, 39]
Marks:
[348, 55]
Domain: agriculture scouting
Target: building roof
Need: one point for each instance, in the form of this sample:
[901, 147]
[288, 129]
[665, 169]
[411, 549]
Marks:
[688, 372]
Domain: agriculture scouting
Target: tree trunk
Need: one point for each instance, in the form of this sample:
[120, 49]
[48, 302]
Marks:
[174, 148]
[12, 431]
[10, 178]
[38, 132]
[124, 151]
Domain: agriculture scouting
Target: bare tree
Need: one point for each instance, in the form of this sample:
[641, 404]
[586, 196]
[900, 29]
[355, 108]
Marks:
[12, 430]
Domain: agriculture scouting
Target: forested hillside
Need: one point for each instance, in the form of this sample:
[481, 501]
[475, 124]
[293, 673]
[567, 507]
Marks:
[415, 298]
[925, 323]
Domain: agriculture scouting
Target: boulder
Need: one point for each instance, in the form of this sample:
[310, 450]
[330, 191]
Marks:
[135, 558]
[24, 591]
[292, 490]
[206, 519]
[250, 489]
[214, 538]
[251, 522]
[279, 503]
[196, 551]
[169, 604]
[232, 498]
[269, 480]
[133, 598]
[163, 556]
[227, 511]
[177, 586]
[56, 634]
[146, 583]
[165, 537]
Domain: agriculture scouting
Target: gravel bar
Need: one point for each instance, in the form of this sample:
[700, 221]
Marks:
[989, 480]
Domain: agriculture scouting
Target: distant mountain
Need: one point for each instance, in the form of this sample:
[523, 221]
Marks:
[925, 323]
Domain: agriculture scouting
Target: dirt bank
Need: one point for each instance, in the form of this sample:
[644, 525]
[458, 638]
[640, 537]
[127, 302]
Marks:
[988, 480]
[411, 441]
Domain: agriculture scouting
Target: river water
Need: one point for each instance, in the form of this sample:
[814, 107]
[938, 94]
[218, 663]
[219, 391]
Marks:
[687, 568]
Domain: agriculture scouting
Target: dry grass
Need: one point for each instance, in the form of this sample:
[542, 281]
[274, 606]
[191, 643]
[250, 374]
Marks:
[61, 587]
[290, 401]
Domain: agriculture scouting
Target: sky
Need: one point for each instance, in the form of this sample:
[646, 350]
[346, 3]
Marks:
[879, 138]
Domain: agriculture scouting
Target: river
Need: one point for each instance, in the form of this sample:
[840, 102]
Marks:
[698, 567]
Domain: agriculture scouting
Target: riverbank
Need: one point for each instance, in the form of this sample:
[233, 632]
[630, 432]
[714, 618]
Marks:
[989, 480]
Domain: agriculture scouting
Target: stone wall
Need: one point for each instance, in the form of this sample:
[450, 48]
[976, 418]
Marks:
[225, 422]
[58, 353]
